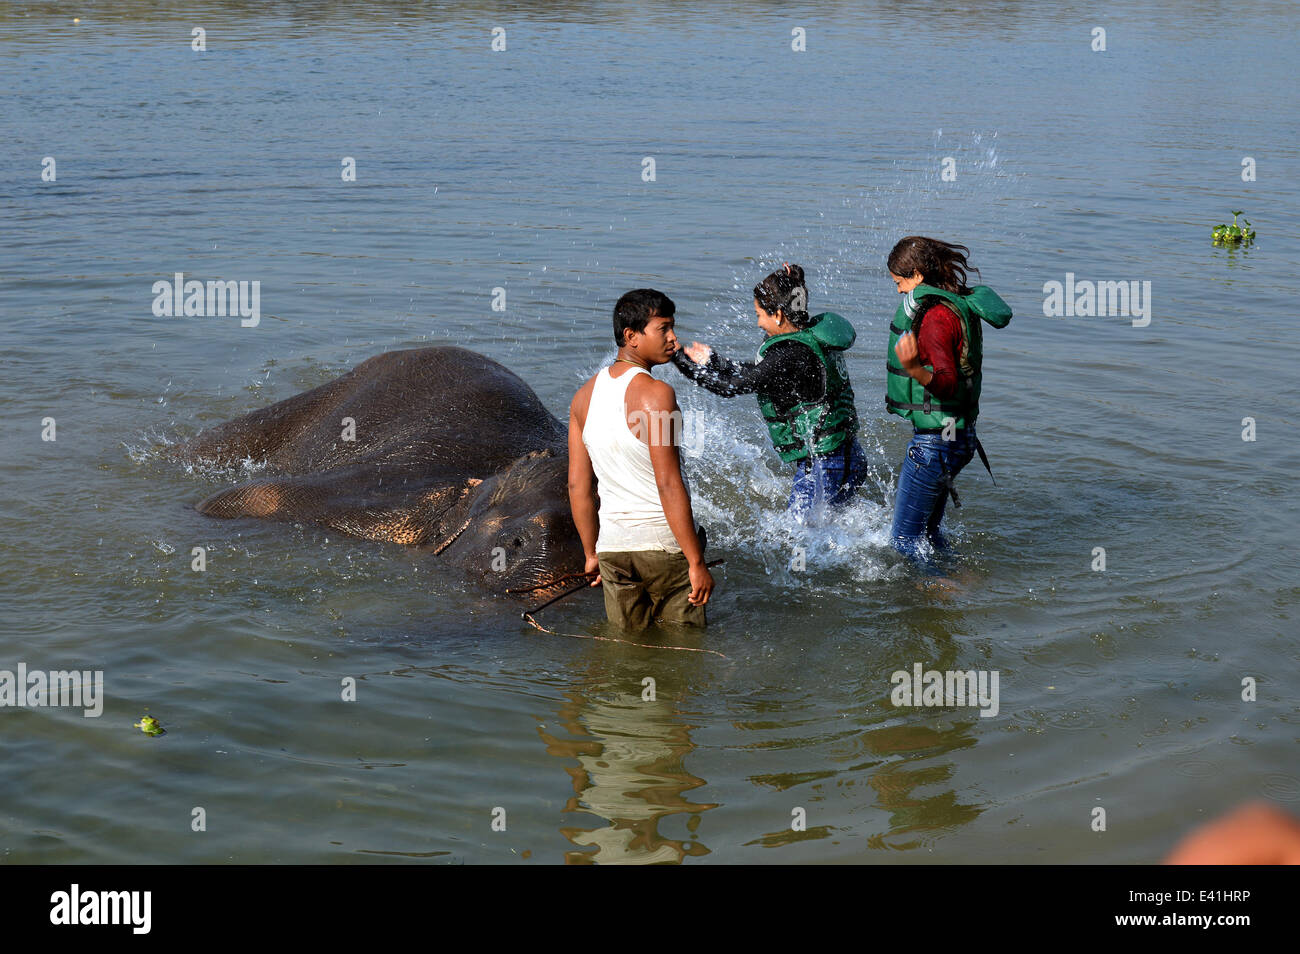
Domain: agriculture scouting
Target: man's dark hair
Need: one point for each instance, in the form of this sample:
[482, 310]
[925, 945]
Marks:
[635, 309]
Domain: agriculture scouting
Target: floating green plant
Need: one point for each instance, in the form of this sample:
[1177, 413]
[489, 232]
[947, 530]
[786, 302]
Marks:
[1234, 234]
[150, 726]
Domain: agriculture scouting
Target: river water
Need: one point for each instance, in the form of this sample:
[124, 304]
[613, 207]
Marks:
[522, 169]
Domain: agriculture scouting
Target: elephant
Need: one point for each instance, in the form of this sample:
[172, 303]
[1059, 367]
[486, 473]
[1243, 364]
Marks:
[450, 452]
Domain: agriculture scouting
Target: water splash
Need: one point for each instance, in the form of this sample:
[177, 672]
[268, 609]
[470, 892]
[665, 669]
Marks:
[740, 489]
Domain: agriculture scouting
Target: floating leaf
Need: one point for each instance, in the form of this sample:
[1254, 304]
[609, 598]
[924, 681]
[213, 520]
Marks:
[150, 726]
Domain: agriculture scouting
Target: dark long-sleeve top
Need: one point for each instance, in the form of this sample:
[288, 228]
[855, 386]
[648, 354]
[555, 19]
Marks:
[788, 374]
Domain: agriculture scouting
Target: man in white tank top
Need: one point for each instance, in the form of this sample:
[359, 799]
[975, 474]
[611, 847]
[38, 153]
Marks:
[624, 433]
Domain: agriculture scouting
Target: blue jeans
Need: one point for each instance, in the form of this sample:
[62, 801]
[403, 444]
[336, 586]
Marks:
[923, 490]
[831, 479]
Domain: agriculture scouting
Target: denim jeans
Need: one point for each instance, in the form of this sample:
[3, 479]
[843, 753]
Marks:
[831, 479]
[923, 489]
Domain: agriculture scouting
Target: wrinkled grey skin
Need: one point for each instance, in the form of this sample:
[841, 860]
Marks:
[453, 454]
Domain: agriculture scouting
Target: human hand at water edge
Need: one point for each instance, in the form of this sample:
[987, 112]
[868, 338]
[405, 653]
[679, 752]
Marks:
[699, 353]
[1257, 833]
[701, 584]
[593, 566]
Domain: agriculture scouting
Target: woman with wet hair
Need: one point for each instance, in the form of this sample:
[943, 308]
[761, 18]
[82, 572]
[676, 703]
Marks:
[803, 389]
[934, 375]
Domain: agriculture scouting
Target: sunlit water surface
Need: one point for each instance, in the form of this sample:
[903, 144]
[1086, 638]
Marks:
[522, 170]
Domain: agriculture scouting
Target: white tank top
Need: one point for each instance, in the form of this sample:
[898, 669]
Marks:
[631, 514]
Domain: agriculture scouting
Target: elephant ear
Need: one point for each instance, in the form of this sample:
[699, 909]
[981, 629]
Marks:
[354, 500]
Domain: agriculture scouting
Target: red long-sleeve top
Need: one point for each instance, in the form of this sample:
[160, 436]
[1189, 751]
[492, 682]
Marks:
[938, 345]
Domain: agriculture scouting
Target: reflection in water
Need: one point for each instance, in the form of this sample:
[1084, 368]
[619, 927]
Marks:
[894, 751]
[900, 768]
[631, 772]
[895, 780]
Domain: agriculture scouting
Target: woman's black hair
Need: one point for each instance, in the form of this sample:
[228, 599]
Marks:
[785, 291]
[941, 264]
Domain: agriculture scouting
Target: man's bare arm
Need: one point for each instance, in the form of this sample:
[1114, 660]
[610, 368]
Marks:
[582, 482]
[658, 402]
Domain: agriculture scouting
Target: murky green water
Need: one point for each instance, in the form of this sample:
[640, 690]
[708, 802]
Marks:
[522, 170]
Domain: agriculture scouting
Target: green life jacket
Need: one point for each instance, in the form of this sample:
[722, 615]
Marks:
[908, 399]
[820, 426]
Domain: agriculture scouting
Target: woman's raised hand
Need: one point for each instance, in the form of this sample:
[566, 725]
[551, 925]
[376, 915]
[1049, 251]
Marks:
[699, 353]
[906, 350]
